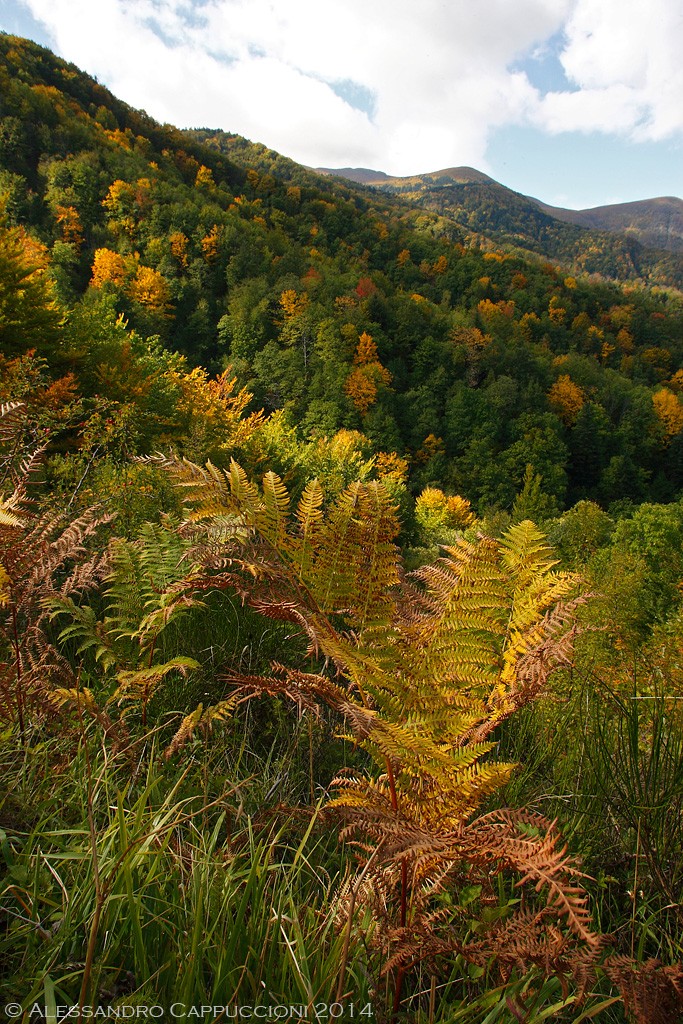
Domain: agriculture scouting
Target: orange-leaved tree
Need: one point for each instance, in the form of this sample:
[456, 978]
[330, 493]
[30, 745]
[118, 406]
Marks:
[367, 376]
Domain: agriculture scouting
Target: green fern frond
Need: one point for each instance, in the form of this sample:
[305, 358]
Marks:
[245, 494]
[84, 628]
[161, 551]
[272, 520]
[309, 515]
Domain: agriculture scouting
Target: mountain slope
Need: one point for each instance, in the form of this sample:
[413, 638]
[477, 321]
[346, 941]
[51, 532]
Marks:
[634, 241]
[365, 176]
[343, 307]
[657, 223]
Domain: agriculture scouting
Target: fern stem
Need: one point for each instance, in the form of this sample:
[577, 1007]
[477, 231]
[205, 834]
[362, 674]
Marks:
[354, 890]
[100, 893]
[404, 864]
[310, 759]
[404, 891]
[19, 674]
[392, 785]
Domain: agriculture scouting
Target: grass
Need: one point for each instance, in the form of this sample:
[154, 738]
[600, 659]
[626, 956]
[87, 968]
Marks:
[124, 888]
[609, 766]
[126, 879]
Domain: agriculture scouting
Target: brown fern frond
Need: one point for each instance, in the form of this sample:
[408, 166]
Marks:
[305, 689]
[10, 418]
[26, 469]
[652, 993]
[525, 938]
[200, 717]
[82, 700]
[539, 858]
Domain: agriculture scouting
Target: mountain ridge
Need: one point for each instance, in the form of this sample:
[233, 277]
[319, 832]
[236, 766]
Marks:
[655, 223]
[642, 240]
[367, 176]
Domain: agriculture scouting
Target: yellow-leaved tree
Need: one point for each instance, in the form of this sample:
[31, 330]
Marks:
[30, 315]
[367, 376]
[110, 267]
[566, 399]
[669, 412]
[150, 289]
[436, 512]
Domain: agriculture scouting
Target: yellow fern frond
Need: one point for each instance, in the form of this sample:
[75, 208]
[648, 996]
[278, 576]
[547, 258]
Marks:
[525, 552]
[199, 717]
[83, 697]
[8, 518]
[245, 494]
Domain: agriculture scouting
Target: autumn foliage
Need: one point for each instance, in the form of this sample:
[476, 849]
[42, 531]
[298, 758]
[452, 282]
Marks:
[566, 399]
[669, 412]
[367, 376]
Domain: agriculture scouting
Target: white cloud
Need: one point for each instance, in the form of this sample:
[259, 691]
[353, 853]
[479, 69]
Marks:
[438, 72]
[624, 59]
[615, 108]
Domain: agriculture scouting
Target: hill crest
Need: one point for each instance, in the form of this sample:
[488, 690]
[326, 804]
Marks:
[655, 223]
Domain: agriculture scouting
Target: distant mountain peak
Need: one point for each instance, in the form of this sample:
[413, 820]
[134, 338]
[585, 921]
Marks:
[447, 176]
[657, 223]
[360, 175]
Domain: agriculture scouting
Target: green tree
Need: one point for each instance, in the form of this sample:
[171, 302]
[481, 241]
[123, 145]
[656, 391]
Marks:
[30, 316]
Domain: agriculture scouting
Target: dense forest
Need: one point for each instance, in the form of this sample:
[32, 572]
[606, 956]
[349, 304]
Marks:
[341, 569]
[481, 206]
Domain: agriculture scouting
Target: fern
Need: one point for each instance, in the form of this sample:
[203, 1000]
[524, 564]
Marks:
[139, 685]
[149, 585]
[272, 520]
[42, 558]
[424, 669]
[309, 515]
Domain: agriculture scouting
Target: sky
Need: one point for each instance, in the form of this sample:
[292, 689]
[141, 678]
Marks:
[576, 102]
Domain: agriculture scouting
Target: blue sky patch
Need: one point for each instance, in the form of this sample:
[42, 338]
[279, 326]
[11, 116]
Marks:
[543, 67]
[18, 21]
[356, 95]
[564, 170]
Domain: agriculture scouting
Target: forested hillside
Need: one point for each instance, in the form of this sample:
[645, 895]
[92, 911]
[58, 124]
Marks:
[476, 364]
[341, 562]
[657, 223]
[637, 242]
